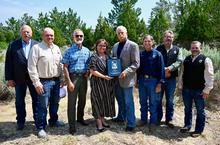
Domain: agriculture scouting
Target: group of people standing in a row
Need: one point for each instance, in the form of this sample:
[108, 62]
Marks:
[42, 68]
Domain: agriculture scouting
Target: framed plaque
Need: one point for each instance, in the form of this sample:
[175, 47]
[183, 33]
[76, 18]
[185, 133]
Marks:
[114, 67]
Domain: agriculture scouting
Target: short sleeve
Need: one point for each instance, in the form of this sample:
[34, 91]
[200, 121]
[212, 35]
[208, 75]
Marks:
[65, 59]
[93, 62]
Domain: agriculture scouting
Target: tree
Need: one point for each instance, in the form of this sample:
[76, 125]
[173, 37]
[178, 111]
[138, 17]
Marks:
[14, 26]
[195, 23]
[160, 20]
[125, 14]
[104, 30]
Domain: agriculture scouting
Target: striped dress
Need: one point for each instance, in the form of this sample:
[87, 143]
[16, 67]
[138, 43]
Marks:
[102, 91]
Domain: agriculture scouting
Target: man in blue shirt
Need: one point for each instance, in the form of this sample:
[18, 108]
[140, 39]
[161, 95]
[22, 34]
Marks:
[75, 60]
[151, 75]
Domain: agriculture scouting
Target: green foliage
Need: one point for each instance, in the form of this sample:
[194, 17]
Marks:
[194, 20]
[3, 45]
[212, 53]
[160, 20]
[104, 30]
[125, 14]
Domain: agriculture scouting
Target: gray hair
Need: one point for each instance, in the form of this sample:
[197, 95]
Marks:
[77, 30]
[168, 31]
[122, 28]
[23, 26]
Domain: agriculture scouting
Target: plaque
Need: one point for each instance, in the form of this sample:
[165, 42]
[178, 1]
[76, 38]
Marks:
[114, 67]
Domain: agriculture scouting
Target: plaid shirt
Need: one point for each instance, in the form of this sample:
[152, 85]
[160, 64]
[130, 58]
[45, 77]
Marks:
[77, 59]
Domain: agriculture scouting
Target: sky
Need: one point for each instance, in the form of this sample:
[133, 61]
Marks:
[88, 10]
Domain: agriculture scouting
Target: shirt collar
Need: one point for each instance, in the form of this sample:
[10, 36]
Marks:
[76, 46]
[50, 46]
[24, 43]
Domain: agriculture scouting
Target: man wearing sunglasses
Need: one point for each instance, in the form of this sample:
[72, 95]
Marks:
[75, 60]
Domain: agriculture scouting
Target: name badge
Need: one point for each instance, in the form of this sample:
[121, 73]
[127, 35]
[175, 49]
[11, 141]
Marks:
[114, 67]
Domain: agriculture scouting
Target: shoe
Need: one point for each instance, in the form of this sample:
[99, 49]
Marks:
[129, 129]
[20, 127]
[106, 125]
[152, 128]
[42, 134]
[195, 134]
[140, 123]
[57, 124]
[170, 124]
[184, 129]
[83, 122]
[117, 120]
[100, 129]
[72, 130]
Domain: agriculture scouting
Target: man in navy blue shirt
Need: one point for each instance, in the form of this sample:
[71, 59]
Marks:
[150, 77]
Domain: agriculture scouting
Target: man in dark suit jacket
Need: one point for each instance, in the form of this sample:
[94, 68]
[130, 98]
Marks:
[16, 73]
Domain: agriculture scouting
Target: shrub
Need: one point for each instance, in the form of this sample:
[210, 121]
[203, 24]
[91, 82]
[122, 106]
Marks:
[212, 53]
[3, 45]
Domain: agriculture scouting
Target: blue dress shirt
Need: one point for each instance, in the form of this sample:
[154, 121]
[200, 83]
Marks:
[77, 59]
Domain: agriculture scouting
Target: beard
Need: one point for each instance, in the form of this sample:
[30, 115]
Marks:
[78, 42]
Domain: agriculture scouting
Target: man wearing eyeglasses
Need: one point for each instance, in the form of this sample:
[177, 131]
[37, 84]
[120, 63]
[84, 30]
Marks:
[45, 71]
[76, 71]
[172, 56]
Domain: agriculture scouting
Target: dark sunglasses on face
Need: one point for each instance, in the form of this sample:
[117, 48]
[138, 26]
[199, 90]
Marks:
[79, 36]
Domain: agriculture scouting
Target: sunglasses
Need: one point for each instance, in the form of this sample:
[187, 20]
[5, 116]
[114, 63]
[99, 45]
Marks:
[79, 36]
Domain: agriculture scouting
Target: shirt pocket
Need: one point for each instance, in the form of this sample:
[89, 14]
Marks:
[57, 58]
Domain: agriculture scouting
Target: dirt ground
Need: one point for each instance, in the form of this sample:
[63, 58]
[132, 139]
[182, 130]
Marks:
[114, 136]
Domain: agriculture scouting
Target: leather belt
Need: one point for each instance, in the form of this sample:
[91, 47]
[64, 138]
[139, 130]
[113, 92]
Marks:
[148, 76]
[50, 79]
[78, 74]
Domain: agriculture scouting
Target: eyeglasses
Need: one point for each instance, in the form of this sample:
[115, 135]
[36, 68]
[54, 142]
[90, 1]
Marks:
[49, 35]
[79, 36]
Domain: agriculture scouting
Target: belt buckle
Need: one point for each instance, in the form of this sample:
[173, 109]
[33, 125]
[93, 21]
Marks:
[146, 76]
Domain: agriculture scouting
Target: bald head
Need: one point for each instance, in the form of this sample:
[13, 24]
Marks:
[26, 33]
[48, 35]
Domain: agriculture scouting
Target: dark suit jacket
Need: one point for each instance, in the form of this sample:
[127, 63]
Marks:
[16, 62]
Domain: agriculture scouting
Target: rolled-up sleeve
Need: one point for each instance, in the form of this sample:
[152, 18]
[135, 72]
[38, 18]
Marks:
[174, 66]
[32, 66]
[208, 75]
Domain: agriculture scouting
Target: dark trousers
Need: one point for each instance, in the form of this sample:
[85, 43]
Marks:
[189, 96]
[20, 92]
[80, 82]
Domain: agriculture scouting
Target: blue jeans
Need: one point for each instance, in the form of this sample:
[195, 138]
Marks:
[125, 99]
[188, 97]
[49, 97]
[20, 93]
[169, 89]
[148, 99]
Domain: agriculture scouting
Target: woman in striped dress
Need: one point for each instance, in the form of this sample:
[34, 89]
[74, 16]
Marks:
[102, 93]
